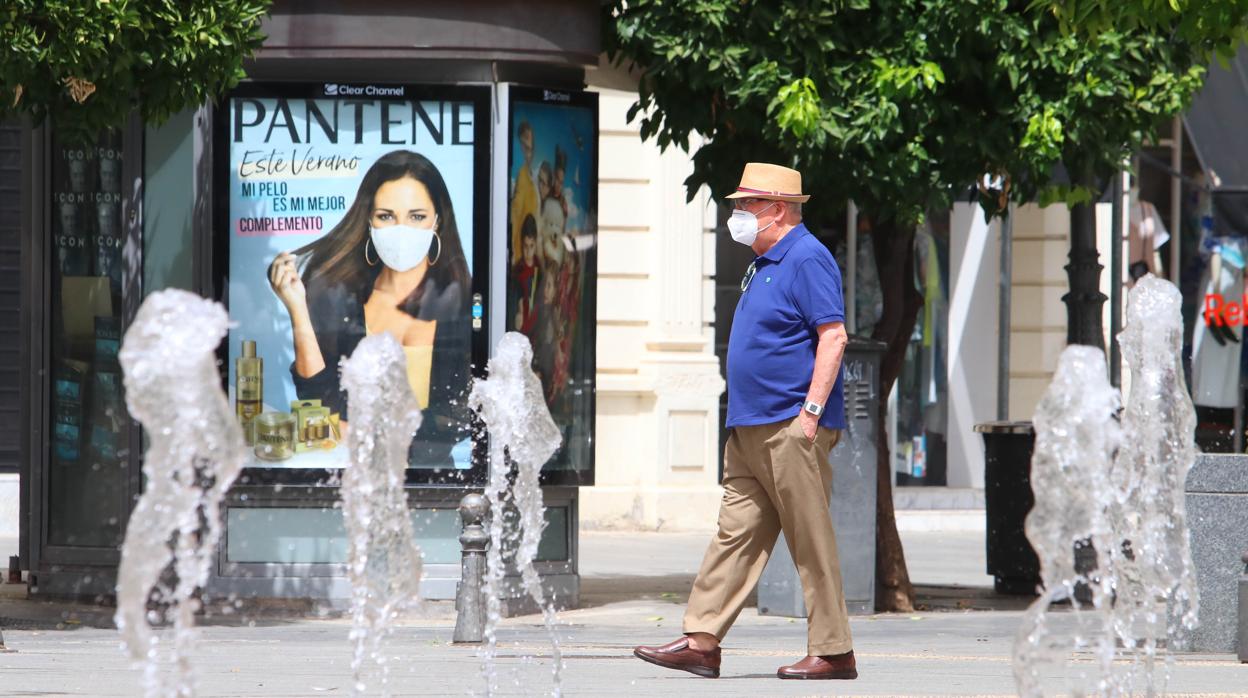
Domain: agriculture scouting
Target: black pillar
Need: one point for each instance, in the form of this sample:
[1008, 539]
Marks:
[1084, 301]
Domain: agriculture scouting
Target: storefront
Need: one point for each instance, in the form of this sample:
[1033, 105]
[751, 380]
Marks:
[1205, 176]
[445, 194]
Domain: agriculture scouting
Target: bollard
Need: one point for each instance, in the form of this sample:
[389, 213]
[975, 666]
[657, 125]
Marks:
[1243, 611]
[469, 600]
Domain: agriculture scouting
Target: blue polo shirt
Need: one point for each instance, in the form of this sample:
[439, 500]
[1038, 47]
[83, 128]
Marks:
[771, 349]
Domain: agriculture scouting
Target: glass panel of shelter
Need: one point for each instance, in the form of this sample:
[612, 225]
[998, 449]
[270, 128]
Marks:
[89, 445]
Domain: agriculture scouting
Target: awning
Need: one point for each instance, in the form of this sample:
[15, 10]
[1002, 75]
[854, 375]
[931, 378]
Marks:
[1217, 133]
[1216, 125]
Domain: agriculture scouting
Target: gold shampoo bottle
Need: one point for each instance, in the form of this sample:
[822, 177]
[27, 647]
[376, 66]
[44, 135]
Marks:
[248, 388]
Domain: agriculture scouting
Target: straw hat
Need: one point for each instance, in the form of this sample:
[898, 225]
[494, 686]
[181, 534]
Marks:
[763, 180]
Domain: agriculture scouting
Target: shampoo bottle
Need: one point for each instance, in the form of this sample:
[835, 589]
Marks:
[248, 388]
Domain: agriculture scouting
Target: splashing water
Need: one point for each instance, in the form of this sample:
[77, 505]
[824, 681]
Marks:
[1129, 506]
[521, 430]
[1076, 436]
[1156, 580]
[384, 561]
[196, 451]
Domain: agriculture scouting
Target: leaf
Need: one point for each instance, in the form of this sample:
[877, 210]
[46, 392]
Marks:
[798, 107]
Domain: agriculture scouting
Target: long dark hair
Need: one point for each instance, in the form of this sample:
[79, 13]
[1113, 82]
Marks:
[338, 257]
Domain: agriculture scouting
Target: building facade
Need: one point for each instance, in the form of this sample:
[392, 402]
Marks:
[659, 381]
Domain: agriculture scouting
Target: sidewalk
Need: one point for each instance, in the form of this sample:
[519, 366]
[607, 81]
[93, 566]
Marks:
[635, 586]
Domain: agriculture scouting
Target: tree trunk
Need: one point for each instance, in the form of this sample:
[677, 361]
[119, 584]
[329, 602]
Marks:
[894, 254]
[1084, 301]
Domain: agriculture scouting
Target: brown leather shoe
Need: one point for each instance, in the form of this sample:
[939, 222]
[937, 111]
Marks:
[829, 666]
[678, 654]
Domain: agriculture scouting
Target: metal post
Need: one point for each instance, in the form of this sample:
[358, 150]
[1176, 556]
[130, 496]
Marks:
[1003, 314]
[1176, 196]
[1237, 415]
[469, 601]
[1243, 611]
[851, 268]
[1115, 281]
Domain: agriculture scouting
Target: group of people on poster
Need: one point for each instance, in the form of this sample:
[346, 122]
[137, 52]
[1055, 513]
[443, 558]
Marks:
[547, 272]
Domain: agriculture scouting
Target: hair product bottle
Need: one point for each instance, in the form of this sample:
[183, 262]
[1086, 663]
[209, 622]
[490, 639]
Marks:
[248, 388]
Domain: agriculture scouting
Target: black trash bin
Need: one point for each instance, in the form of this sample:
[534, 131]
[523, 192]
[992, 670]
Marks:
[1012, 562]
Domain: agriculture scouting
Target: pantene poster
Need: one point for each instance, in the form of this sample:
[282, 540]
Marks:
[553, 252]
[351, 213]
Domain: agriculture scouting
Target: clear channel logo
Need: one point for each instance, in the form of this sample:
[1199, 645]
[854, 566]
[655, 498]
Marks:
[339, 90]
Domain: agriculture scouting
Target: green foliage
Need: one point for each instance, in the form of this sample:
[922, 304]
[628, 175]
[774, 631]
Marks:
[1084, 100]
[796, 108]
[87, 64]
[1214, 25]
[903, 104]
[835, 88]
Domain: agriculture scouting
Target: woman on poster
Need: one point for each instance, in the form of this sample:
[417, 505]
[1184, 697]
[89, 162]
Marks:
[394, 263]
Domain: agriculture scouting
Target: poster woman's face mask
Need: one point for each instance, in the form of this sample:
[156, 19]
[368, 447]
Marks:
[403, 247]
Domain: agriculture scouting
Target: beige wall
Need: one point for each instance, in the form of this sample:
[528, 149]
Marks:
[1037, 313]
[658, 377]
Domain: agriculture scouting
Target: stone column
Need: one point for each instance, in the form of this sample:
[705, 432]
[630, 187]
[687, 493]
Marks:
[658, 382]
[679, 355]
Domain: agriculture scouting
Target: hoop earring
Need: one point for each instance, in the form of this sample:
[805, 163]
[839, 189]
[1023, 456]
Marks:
[439, 255]
[370, 262]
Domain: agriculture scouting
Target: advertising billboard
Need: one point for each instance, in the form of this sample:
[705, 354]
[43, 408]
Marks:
[552, 256]
[351, 210]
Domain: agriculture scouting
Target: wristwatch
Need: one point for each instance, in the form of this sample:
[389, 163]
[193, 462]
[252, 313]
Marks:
[813, 408]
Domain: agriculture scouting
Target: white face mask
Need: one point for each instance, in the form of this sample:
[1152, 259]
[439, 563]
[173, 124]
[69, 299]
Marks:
[402, 247]
[743, 225]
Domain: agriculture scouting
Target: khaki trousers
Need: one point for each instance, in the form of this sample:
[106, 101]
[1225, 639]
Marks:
[774, 479]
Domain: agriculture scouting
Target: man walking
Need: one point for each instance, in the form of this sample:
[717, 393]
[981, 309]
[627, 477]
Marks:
[785, 413]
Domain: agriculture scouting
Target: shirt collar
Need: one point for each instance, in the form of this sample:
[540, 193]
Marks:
[778, 250]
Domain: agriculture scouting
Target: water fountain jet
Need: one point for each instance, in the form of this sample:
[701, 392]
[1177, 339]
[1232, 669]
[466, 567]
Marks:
[521, 430]
[1155, 577]
[1076, 436]
[384, 563]
[195, 453]
[1118, 484]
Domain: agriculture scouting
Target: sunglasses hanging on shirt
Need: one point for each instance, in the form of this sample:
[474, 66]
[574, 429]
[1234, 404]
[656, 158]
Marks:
[749, 274]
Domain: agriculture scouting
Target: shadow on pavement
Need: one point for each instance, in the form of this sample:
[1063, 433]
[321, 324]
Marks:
[602, 590]
[939, 598]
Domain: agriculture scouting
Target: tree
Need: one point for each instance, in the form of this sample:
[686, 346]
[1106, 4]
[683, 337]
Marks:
[901, 105]
[1081, 102]
[87, 65]
[1128, 66]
